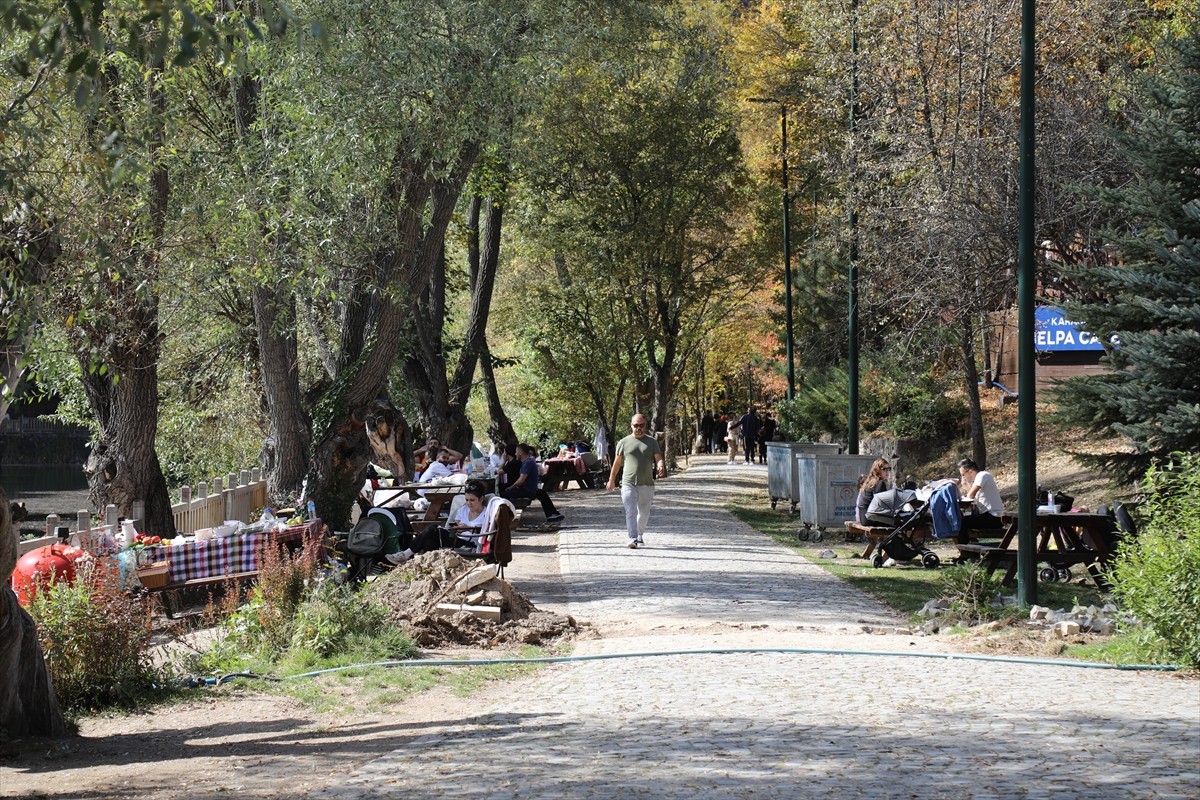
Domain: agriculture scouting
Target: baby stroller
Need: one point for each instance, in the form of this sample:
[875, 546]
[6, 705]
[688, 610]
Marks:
[900, 510]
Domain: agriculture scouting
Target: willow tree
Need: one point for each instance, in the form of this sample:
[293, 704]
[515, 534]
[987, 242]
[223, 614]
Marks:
[372, 136]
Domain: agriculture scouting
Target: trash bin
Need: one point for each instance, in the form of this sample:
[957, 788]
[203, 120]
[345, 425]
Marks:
[828, 487]
[781, 468]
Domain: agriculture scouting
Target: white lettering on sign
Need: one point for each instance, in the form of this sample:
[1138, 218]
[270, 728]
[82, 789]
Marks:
[1056, 337]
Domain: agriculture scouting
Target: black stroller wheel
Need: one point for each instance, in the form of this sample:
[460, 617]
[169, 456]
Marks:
[1064, 575]
[1047, 575]
[877, 561]
[816, 536]
[930, 561]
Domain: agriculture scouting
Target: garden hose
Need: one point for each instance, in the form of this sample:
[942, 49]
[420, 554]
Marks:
[443, 662]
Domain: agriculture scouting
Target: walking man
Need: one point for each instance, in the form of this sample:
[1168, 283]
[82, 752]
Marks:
[635, 459]
[750, 424]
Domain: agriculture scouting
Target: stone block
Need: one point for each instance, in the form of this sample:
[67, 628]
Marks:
[1068, 628]
[1038, 612]
[483, 612]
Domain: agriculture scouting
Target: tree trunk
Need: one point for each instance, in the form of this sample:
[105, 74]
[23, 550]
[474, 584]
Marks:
[123, 466]
[285, 456]
[971, 375]
[341, 450]
[500, 428]
[387, 431]
[28, 706]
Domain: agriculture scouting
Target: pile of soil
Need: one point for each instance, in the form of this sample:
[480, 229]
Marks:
[413, 591]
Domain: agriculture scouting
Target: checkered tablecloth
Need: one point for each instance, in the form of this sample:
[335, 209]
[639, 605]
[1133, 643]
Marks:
[228, 556]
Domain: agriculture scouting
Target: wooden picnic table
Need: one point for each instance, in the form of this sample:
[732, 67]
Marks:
[1064, 540]
[439, 495]
[561, 471]
[232, 558]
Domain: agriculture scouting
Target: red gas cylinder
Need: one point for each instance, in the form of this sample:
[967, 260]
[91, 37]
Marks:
[38, 567]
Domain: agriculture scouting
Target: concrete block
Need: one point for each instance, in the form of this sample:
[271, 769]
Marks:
[1038, 612]
[481, 574]
[1104, 627]
[483, 612]
[1064, 629]
[475, 598]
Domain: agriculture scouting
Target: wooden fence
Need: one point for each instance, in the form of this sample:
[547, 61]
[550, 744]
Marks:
[236, 496]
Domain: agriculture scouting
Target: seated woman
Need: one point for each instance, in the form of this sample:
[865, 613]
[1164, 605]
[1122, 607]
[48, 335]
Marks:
[469, 519]
[876, 481]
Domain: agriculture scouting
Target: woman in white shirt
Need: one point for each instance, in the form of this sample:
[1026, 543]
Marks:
[469, 519]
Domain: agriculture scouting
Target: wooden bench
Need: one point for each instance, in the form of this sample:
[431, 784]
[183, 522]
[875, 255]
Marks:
[994, 558]
[874, 534]
[167, 591]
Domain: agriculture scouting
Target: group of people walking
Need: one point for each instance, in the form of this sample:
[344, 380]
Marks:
[726, 433]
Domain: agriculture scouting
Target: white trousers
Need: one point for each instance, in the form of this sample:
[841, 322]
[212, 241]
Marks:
[636, 500]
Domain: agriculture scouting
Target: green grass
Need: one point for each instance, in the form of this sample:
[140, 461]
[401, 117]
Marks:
[374, 689]
[905, 588]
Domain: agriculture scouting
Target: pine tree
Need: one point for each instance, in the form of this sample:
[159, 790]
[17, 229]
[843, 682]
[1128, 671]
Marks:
[1149, 304]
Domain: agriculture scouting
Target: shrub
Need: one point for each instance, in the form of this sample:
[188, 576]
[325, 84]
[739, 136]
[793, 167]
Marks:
[970, 590]
[1157, 574]
[96, 640]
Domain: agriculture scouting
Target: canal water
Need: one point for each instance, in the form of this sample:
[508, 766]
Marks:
[46, 489]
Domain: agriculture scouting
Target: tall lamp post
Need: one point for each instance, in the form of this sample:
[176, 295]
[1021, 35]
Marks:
[787, 246]
[1026, 379]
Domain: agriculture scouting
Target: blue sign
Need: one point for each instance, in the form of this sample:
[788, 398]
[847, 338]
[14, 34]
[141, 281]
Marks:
[1054, 332]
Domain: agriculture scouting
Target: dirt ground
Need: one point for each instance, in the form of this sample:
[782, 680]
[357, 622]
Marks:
[236, 742]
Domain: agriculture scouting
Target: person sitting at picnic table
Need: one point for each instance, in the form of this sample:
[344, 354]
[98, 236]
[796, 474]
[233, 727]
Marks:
[527, 485]
[473, 518]
[979, 485]
[427, 454]
[876, 481]
[441, 468]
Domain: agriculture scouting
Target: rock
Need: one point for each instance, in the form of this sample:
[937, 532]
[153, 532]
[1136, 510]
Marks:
[1038, 612]
[936, 606]
[891, 562]
[1104, 627]
[933, 626]
[827, 554]
[1086, 623]
[1065, 629]
[902, 631]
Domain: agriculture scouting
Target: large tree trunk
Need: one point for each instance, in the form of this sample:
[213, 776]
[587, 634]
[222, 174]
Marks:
[27, 703]
[387, 431]
[971, 376]
[341, 450]
[123, 466]
[285, 458]
[500, 428]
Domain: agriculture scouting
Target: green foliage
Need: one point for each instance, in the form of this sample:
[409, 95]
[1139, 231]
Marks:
[893, 398]
[1157, 575]
[97, 641]
[1149, 300]
[333, 615]
[970, 590]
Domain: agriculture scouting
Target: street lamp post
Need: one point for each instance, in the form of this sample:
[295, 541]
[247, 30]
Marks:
[787, 247]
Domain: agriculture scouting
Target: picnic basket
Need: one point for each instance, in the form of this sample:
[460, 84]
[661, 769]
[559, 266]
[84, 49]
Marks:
[155, 576]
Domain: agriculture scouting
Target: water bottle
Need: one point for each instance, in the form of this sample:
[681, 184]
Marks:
[312, 509]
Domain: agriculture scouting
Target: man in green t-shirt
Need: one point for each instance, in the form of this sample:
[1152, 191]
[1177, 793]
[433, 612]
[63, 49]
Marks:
[636, 456]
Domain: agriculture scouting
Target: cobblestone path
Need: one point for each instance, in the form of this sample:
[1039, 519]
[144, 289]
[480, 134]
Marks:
[774, 724]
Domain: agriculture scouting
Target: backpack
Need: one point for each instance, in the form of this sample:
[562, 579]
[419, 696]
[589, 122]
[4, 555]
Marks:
[366, 538]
